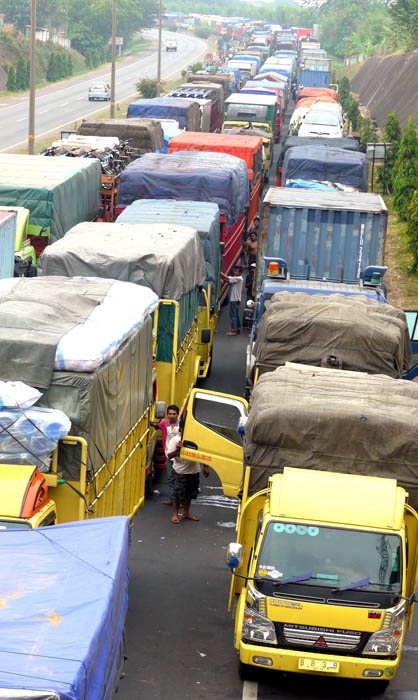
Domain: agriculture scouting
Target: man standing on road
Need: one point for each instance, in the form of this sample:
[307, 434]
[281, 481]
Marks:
[170, 428]
[186, 475]
[234, 298]
[250, 249]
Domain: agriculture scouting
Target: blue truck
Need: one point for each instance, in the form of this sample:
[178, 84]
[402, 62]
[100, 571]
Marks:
[323, 243]
[314, 72]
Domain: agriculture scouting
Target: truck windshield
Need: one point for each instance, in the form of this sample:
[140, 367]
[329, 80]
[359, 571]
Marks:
[335, 557]
[14, 525]
[252, 113]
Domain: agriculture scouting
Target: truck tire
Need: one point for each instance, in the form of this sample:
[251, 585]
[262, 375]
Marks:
[375, 688]
[245, 671]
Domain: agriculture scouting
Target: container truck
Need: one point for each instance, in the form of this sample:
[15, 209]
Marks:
[212, 92]
[65, 599]
[348, 144]
[185, 112]
[205, 218]
[87, 345]
[248, 148]
[339, 606]
[165, 259]
[314, 72]
[324, 164]
[204, 177]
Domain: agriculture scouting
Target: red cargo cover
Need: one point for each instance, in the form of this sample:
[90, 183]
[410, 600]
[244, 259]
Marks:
[315, 91]
[309, 101]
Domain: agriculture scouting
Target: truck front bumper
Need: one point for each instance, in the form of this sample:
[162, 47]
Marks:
[288, 660]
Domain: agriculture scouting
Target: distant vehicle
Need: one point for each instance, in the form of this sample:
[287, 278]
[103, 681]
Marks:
[99, 91]
[171, 45]
[318, 123]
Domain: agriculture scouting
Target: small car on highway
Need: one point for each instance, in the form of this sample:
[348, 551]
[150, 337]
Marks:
[99, 91]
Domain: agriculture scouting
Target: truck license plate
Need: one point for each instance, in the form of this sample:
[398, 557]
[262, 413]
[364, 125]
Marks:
[319, 665]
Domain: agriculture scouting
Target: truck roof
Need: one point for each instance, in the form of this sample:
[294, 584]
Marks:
[246, 99]
[312, 286]
[344, 499]
[356, 201]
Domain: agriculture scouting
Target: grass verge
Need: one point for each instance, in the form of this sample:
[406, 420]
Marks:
[402, 285]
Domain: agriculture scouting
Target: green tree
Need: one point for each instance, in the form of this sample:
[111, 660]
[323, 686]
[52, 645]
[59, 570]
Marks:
[368, 131]
[11, 79]
[20, 73]
[28, 73]
[391, 136]
[51, 71]
[61, 66]
[202, 32]
[404, 14]
[343, 91]
[69, 64]
[352, 111]
[405, 180]
[413, 230]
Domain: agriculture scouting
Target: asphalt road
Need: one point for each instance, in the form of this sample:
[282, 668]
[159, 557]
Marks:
[61, 105]
[180, 635]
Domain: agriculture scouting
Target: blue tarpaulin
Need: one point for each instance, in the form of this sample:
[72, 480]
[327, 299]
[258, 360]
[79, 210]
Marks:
[161, 108]
[64, 593]
[309, 185]
[195, 175]
[324, 163]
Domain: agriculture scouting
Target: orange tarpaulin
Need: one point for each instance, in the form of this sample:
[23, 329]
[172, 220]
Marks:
[315, 91]
[309, 101]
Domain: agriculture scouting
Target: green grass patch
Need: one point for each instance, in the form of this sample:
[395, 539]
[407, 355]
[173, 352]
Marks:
[403, 285]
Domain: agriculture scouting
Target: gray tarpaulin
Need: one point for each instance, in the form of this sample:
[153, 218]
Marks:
[367, 336]
[168, 259]
[331, 420]
[144, 135]
[33, 319]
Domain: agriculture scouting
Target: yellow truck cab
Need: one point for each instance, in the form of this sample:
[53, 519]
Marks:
[325, 571]
[24, 499]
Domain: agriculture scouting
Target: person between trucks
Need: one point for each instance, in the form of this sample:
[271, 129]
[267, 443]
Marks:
[170, 428]
[249, 282]
[186, 478]
[235, 283]
[250, 249]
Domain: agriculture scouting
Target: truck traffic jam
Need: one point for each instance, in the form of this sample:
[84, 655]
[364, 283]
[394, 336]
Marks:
[116, 244]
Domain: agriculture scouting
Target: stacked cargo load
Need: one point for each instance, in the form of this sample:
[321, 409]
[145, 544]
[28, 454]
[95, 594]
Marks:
[347, 422]
[187, 175]
[325, 164]
[59, 192]
[144, 135]
[87, 345]
[167, 260]
[186, 112]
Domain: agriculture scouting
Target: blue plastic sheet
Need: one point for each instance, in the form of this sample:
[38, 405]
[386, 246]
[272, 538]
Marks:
[64, 590]
[325, 163]
[195, 175]
[309, 185]
[161, 108]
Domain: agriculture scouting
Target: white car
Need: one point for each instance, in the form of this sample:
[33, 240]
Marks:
[321, 123]
[333, 107]
[171, 45]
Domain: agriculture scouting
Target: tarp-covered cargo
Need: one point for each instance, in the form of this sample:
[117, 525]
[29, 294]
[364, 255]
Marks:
[186, 112]
[144, 135]
[327, 164]
[365, 336]
[167, 259]
[323, 235]
[332, 420]
[59, 192]
[207, 177]
[202, 216]
[64, 632]
[246, 147]
[221, 79]
[347, 144]
[87, 344]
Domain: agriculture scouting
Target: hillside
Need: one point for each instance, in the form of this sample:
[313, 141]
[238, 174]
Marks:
[383, 84]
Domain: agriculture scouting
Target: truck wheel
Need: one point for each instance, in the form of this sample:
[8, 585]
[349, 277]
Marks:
[245, 671]
[376, 688]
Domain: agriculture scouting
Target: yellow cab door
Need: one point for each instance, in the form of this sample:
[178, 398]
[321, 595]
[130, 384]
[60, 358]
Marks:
[411, 528]
[211, 435]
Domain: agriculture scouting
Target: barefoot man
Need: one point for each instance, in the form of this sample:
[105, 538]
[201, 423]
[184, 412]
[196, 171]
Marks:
[186, 485]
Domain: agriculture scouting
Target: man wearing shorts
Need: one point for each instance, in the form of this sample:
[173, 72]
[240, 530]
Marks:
[186, 485]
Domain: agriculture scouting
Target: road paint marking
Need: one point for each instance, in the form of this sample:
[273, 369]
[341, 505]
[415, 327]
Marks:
[44, 111]
[21, 120]
[250, 690]
[64, 104]
[407, 648]
[89, 114]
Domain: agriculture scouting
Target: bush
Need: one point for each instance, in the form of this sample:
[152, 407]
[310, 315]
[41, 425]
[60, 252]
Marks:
[51, 71]
[202, 32]
[195, 67]
[69, 64]
[392, 136]
[413, 230]
[405, 181]
[21, 74]
[11, 79]
[147, 87]
[28, 73]
[172, 27]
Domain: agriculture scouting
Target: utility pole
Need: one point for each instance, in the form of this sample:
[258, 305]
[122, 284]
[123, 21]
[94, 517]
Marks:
[32, 84]
[113, 73]
[160, 26]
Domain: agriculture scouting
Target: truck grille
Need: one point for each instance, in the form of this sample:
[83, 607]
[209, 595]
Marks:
[321, 638]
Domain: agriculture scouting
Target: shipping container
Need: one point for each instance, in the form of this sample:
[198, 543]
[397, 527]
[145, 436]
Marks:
[323, 235]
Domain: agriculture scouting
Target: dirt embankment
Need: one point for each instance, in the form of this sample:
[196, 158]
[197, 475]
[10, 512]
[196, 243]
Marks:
[383, 84]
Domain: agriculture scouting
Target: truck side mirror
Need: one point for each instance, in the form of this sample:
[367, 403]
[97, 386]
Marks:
[205, 336]
[159, 410]
[234, 555]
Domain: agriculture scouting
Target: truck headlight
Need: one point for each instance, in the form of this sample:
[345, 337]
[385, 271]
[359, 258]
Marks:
[385, 642]
[257, 628]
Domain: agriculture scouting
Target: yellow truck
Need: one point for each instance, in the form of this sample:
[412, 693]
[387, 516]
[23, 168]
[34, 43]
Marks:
[325, 561]
[87, 345]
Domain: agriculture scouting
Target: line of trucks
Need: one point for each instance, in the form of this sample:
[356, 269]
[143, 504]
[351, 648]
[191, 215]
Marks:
[119, 322]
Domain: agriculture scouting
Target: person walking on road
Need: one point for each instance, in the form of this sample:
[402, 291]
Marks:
[170, 428]
[186, 475]
[235, 283]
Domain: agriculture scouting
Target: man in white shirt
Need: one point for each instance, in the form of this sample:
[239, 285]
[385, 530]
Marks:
[186, 484]
[235, 283]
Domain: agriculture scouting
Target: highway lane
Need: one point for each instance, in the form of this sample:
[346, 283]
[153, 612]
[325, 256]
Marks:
[61, 105]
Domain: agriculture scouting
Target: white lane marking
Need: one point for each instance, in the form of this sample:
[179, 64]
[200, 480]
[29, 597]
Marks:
[407, 648]
[64, 104]
[250, 690]
[44, 111]
[21, 120]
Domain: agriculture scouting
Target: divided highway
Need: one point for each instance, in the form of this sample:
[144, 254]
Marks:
[60, 105]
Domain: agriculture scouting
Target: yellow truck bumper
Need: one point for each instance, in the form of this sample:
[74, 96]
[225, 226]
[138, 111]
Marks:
[288, 660]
